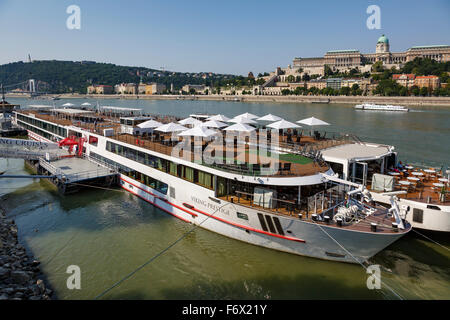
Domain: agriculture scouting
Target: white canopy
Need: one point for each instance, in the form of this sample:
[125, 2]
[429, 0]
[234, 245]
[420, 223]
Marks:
[149, 124]
[241, 127]
[198, 132]
[40, 106]
[269, 117]
[213, 124]
[313, 122]
[72, 111]
[68, 105]
[283, 124]
[219, 117]
[171, 127]
[242, 119]
[86, 104]
[189, 120]
[120, 109]
[247, 115]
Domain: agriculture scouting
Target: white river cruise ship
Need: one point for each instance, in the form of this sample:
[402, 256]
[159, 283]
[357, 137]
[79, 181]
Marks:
[261, 187]
[379, 107]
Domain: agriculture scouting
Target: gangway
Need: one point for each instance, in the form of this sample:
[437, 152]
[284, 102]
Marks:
[69, 172]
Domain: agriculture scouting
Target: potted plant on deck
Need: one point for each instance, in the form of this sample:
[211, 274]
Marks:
[442, 194]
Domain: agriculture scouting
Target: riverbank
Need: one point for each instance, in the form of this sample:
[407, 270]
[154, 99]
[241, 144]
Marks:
[20, 275]
[353, 100]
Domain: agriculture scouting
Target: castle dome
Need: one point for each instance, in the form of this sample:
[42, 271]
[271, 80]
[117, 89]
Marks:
[383, 39]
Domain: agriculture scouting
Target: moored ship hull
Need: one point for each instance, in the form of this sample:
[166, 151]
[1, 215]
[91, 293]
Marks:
[158, 177]
[295, 236]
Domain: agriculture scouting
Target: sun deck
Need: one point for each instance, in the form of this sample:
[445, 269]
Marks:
[423, 185]
[291, 159]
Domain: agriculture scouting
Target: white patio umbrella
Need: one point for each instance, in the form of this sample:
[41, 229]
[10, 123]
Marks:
[189, 121]
[242, 119]
[68, 104]
[247, 115]
[213, 124]
[149, 124]
[171, 127]
[219, 117]
[240, 127]
[198, 132]
[269, 117]
[283, 124]
[313, 122]
[86, 104]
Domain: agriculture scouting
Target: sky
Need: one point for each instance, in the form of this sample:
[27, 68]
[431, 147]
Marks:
[232, 36]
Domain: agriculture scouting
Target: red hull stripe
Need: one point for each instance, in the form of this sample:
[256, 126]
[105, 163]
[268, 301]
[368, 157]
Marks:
[250, 228]
[206, 214]
[159, 207]
[156, 196]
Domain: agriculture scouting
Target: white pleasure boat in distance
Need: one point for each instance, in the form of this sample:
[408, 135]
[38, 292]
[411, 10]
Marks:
[379, 107]
[299, 207]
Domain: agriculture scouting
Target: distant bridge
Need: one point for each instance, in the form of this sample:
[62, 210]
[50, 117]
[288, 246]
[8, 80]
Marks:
[30, 86]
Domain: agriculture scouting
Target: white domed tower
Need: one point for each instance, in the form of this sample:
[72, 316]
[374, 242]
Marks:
[382, 45]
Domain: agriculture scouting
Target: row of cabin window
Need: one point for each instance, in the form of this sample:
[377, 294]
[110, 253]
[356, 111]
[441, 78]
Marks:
[43, 125]
[187, 173]
[135, 175]
[35, 130]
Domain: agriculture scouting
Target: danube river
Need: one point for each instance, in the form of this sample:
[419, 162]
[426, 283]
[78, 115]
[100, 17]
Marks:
[108, 234]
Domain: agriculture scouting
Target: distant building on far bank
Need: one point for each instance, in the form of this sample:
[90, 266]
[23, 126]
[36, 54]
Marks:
[345, 60]
[316, 83]
[154, 88]
[197, 88]
[405, 80]
[100, 89]
[334, 83]
[431, 82]
[141, 88]
[126, 88]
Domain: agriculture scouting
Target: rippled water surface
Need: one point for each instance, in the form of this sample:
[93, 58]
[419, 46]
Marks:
[110, 233]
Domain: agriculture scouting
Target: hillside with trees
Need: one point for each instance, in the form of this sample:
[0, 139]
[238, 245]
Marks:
[69, 76]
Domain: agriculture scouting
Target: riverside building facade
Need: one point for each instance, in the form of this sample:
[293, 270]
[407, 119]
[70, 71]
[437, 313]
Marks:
[345, 60]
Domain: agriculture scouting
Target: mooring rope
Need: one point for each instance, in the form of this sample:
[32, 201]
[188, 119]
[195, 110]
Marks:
[153, 258]
[362, 265]
[428, 238]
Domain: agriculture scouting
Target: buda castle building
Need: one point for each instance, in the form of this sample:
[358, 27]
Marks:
[345, 60]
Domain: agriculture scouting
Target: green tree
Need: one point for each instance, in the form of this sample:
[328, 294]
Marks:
[444, 77]
[424, 91]
[327, 71]
[260, 81]
[344, 91]
[415, 90]
[387, 87]
[353, 72]
[378, 66]
[403, 91]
